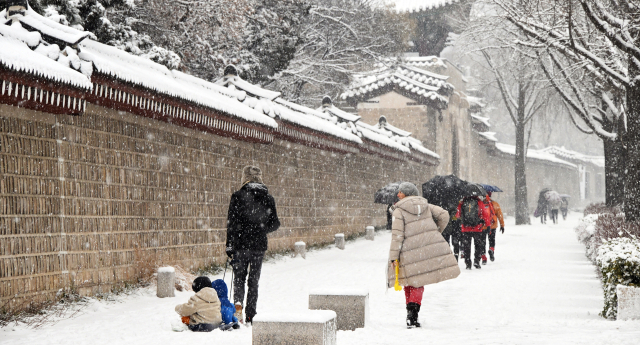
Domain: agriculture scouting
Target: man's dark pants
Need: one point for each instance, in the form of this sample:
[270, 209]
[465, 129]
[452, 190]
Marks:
[466, 245]
[247, 262]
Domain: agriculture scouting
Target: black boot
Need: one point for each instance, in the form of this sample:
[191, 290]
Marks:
[456, 255]
[467, 262]
[412, 315]
[476, 264]
[491, 255]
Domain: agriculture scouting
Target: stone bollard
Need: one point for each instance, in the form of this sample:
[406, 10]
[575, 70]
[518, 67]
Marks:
[370, 233]
[300, 249]
[311, 327]
[166, 282]
[628, 302]
[351, 306]
[340, 241]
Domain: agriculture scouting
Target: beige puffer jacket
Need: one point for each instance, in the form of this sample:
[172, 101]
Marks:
[203, 307]
[425, 256]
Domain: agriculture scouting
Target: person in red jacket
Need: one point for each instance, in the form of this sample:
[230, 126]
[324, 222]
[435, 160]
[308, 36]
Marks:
[474, 217]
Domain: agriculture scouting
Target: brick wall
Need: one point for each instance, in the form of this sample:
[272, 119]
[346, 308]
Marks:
[86, 200]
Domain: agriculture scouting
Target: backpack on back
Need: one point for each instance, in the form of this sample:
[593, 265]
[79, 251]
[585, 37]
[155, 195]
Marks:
[470, 213]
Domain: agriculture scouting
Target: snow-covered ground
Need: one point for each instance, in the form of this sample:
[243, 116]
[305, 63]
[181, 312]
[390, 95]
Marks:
[540, 290]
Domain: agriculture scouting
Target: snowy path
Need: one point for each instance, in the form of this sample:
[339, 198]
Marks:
[540, 290]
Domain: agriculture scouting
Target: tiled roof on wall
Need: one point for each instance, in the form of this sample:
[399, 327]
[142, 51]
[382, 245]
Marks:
[71, 69]
[402, 6]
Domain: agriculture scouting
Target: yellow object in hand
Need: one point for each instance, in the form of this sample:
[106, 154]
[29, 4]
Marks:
[397, 286]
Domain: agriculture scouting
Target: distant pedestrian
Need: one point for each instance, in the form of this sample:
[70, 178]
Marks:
[564, 207]
[496, 217]
[553, 201]
[389, 216]
[422, 254]
[541, 210]
[252, 215]
[474, 218]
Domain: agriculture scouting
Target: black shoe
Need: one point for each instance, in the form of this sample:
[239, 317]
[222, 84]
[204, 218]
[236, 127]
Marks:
[468, 264]
[477, 265]
[248, 320]
[412, 315]
[491, 257]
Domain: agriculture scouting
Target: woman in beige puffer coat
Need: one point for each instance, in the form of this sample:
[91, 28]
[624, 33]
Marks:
[424, 255]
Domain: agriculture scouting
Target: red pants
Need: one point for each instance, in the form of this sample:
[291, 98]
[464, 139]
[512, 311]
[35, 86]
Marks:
[413, 294]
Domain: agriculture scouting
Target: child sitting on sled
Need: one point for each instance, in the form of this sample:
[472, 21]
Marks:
[202, 312]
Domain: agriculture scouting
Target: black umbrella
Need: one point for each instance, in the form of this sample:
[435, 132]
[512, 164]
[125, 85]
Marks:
[388, 194]
[445, 191]
[474, 189]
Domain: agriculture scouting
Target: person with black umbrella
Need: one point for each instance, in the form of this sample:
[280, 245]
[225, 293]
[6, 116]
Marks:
[474, 217]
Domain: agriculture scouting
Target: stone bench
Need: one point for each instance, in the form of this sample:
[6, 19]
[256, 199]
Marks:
[351, 306]
[312, 327]
[628, 302]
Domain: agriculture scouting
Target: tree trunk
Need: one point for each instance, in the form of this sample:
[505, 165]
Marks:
[522, 205]
[631, 148]
[613, 172]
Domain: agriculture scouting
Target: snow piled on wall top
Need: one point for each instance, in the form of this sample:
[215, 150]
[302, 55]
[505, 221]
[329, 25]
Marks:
[481, 119]
[569, 154]
[419, 5]
[15, 55]
[534, 154]
[137, 70]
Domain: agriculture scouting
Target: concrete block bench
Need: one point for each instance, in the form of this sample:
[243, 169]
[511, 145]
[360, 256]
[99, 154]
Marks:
[312, 327]
[628, 302]
[351, 306]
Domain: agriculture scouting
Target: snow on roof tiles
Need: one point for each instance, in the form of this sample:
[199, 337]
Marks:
[416, 80]
[375, 134]
[489, 136]
[419, 5]
[50, 28]
[333, 110]
[298, 116]
[146, 73]
[569, 154]
[248, 87]
[16, 56]
[424, 61]
[481, 119]
[535, 154]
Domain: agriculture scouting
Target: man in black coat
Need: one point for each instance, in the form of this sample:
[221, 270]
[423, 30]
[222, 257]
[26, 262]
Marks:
[252, 215]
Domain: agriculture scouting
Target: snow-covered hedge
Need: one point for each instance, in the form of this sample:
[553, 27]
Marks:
[618, 261]
[613, 245]
[585, 231]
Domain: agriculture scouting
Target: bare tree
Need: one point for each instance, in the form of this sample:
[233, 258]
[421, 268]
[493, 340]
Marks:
[340, 37]
[590, 51]
[524, 95]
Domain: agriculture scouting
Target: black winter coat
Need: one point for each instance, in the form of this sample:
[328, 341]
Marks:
[252, 215]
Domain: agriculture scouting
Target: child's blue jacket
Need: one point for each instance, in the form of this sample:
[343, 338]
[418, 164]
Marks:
[227, 309]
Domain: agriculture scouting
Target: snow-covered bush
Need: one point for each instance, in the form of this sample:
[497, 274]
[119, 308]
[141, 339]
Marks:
[618, 261]
[585, 231]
